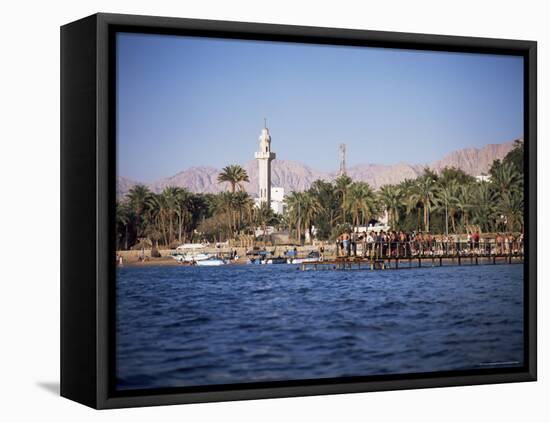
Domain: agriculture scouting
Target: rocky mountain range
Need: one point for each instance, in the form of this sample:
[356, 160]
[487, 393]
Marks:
[294, 176]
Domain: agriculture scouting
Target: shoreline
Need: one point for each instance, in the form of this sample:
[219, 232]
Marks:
[329, 260]
[486, 247]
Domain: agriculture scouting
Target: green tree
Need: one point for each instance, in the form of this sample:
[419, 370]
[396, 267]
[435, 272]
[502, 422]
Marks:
[293, 213]
[464, 202]
[138, 196]
[483, 206]
[310, 210]
[170, 202]
[235, 175]
[302, 209]
[391, 197]
[123, 219]
[454, 174]
[327, 197]
[183, 211]
[225, 208]
[342, 184]
[264, 216]
[360, 203]
[422, 192]
[516, 157]
[504, 177]
[510, 207]
[446, 200]
[244, 209]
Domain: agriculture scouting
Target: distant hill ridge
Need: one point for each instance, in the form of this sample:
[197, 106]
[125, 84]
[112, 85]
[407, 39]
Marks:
[294, 176]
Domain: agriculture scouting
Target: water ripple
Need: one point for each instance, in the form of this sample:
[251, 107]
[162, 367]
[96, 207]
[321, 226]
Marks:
[187, 326]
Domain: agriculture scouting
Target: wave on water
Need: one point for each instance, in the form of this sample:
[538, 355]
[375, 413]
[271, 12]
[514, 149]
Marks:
[188, 326]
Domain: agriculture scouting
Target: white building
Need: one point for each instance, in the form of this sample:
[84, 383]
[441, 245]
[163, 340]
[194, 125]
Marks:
[273, 196]
[264, 157]
[277, 199]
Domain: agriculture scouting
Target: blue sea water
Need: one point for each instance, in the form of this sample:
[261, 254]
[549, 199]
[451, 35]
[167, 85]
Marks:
[188, 326]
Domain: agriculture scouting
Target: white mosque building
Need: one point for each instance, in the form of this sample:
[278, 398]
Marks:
[273, 196]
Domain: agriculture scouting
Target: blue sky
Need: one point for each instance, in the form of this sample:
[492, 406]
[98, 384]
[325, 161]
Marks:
[185, 101]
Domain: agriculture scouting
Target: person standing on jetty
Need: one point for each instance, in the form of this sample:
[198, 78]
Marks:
[364, 238]
[346, 243]
[402, 243]
[475, 239]
[354, 238]
[371, 242]
[457, 244]
[430, 242]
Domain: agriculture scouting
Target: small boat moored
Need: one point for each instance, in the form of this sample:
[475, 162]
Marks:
[277, 260]
[190, 257]
[311, 257]
[211, 261]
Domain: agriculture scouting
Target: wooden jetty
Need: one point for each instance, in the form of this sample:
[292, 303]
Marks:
[412, 262]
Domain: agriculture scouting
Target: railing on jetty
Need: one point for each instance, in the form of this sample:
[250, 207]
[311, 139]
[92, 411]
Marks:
[396, 255]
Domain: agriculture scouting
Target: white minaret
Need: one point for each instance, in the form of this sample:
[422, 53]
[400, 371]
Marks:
[264, 157]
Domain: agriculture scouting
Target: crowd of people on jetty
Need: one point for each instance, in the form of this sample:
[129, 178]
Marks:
[407, 244]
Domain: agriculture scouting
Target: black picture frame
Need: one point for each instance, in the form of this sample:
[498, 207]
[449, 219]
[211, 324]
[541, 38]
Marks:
[88, 198]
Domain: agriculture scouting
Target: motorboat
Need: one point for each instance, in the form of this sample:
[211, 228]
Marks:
[311, 257]
[257, 256]
[211, 261]
[185, 247]
[276, 260]
[190, 253]
[190, 257]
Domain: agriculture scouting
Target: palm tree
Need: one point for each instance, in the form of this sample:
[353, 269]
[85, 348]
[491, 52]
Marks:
[170, 197]
[511, 207]
[123, 218]
[454, 174]
[183, 200]
[516, 156]
[360, 202]
[342, 184]
[504, 177]
[235, 175]
[264, 216]
[391, 197]
[446, 200]
[294, 215]
[483, 206]
[309, 208]
[424, 192]
[138, 197]
[329, 200]
[243, 208]
[303, 208]
[225, 206]
[464, 202]
[154, 218]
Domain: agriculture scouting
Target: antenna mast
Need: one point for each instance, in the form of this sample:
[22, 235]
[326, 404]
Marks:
[342, 160]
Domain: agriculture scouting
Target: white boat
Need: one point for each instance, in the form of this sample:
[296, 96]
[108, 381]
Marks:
[276, 260]
[196, 246]
[189, 253]
[311, 257]
[211, 261]
[302, 260]
[191, 257]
